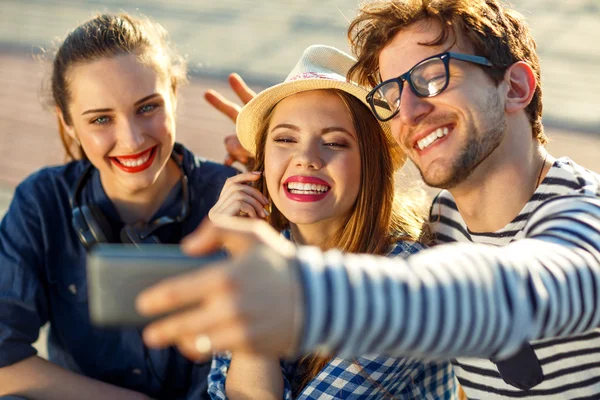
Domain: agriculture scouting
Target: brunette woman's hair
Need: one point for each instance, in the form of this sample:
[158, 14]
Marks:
[379, 217]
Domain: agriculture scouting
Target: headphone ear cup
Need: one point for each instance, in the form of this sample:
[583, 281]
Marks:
[82, 228]
[97, 223]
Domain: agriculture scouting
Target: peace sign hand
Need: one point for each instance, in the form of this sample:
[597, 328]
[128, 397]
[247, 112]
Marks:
[235, 151]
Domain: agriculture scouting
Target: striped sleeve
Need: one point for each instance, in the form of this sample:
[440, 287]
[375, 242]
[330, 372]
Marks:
[460, 299]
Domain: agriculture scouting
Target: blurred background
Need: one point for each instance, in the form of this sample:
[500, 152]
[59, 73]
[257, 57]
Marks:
[262, 40]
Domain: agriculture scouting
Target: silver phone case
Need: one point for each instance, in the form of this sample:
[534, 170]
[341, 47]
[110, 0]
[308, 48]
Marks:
[117, 273]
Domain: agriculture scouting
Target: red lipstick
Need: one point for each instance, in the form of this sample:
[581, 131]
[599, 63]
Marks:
[306, 197]
[136, 168]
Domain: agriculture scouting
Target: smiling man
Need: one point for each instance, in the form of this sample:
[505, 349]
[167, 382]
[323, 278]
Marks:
[461, 81]
[516, 303]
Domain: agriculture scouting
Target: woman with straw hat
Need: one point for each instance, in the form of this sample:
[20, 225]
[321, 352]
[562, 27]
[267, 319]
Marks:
[324, 176]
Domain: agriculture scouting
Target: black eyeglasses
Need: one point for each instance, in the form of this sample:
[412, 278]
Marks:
[428, 78]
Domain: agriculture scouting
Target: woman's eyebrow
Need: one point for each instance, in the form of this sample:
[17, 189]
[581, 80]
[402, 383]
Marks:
[97, 110]
[153, 95]
[338, 129]
[286, 126]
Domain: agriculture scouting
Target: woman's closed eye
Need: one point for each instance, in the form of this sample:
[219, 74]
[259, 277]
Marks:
[340, 145]
[284, 140]
[337, 140]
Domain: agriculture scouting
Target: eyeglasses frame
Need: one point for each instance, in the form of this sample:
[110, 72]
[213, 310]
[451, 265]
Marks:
[405, 77]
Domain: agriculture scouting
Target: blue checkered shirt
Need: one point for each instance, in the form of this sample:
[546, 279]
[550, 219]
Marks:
[365, 377]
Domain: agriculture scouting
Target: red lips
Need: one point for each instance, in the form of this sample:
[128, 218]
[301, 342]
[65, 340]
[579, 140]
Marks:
[120, 161]
[306, 197]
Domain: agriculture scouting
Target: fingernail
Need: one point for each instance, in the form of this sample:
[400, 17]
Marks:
[267, 213]
[141, 304]
[151, 338]
[186, 245]
[257, 172]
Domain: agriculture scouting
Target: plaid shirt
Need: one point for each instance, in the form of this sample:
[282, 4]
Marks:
[366, 377]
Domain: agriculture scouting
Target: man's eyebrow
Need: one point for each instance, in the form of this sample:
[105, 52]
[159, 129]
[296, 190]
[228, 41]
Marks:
[103, 110]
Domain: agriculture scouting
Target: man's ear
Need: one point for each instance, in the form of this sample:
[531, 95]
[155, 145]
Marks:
[521, 84]
[68, 129]
[174, 86]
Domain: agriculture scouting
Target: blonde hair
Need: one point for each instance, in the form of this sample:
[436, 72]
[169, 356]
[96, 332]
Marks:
[109, 36]
[490, 29]
[379, 217]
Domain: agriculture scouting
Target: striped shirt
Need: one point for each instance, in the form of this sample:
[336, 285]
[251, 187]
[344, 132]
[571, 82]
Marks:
[364, 377]
[565, 367]
[538, 278]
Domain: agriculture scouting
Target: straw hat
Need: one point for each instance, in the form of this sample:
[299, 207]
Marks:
[320, 67]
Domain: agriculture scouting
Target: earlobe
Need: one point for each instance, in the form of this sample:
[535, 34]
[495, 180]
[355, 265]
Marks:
[174, 93]
[521, 83]
[66, 127]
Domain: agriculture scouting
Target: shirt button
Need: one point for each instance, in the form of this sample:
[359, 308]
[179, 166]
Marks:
[137, 371]
[73, 289]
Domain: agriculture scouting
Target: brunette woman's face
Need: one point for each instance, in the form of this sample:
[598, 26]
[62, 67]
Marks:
[312, 158]
[122, 113]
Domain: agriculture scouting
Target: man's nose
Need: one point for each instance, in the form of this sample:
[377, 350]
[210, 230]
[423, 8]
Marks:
[412, 107]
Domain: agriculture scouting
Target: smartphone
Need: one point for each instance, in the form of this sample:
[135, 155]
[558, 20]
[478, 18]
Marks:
[117, 273]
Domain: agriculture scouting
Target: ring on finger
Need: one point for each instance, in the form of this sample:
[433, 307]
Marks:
[202, 344]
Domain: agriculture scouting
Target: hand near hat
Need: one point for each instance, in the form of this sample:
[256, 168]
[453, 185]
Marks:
[238, 198]
[251, 303]
[235, 151]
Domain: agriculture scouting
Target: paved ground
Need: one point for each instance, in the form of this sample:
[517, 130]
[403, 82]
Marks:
[263, 38]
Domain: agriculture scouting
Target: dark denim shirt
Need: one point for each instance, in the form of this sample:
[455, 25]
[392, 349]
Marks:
[43, 279]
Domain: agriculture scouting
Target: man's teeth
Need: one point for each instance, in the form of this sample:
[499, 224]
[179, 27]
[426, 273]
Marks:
[306, 188]
[134, 162]
[432, 137]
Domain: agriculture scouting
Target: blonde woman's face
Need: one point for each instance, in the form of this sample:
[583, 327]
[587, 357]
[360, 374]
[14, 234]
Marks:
[122, 113]
[312, 159]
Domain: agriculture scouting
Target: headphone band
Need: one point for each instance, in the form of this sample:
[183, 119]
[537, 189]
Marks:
[81, 181]
[143, 231]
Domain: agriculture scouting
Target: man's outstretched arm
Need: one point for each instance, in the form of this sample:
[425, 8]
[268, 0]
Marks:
[450, 301]
[460, 299]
